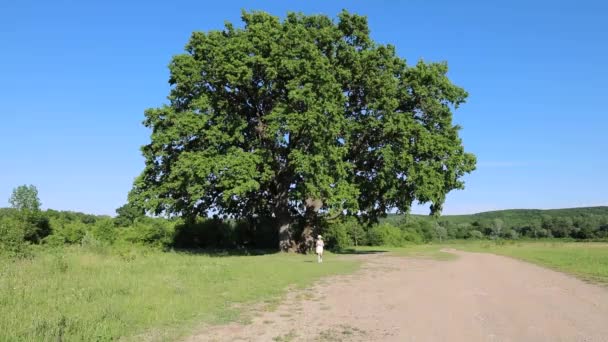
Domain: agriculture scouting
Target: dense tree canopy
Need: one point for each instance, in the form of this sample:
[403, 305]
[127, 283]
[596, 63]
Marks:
[298, 119]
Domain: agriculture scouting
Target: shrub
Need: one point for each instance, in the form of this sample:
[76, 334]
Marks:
[36, 227]
[12, 236]
[104, 231]
[92, 243]
[511, 234]
[357, 233]
[150, 232]
[386, 235]
[204, 233]
[336, 236]
[475, 235]
[411, 235]
[256, 232]
[70, 232]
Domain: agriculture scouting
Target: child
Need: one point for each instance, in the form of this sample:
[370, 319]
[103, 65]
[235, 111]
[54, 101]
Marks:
[320, 249]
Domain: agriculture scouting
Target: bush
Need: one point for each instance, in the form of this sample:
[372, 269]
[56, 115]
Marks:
[410, 231]
[218, 233]
[386, 235]
[12, 236]
[511, 234]
[70, 232]
[204, 233]
[426, 230]
[150, 232]
[336, 236]
[373, 237]
[36, 226]
[475, 235]
[104, 231]
[92, 243]
[256, 232]
[357, 233]
[412, 236]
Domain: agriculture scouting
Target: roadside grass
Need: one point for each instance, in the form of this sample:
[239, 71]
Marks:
[586, 260]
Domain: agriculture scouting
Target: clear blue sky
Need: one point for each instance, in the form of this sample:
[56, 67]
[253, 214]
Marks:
[76, 76]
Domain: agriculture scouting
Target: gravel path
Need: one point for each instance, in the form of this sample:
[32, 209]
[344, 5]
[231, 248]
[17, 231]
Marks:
[478, 297]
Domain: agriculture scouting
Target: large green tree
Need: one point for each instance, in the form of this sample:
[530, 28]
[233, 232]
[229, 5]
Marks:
[300, 119]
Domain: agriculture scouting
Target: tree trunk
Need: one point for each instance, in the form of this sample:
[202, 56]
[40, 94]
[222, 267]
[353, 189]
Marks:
[306, 240]
[291, 241]
[286, 241]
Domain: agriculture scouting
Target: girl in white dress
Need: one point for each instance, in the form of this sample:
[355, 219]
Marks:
[319, 249]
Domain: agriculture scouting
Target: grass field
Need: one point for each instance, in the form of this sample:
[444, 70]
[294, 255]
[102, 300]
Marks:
[77, 294]
[586, 260]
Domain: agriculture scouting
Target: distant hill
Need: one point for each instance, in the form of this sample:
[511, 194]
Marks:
[513, 217]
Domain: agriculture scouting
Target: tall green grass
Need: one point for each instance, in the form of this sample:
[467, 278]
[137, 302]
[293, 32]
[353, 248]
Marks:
[76, 294]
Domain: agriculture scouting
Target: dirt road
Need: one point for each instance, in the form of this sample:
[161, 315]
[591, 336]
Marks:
[478, 297]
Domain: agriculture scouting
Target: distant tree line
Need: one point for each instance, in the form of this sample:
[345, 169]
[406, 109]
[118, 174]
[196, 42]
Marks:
[25, 224]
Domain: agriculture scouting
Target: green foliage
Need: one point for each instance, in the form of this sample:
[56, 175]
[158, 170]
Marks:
[440, 232]
[475, 235]
[12, 236]
[217, 233]
[337, 237]
[497, 228]
[510, 234]
[26, 210]
[426, 229]
[386, 235]
[70, 232]
[36, 226]
[150, 232]
[356, 232]
[90, 241]
[23, 226]
[265, 118]
[213, 233]
[25, 198]
[127, 214]
[579, 223]
[30, 228]
[104, 231]
[411, 236]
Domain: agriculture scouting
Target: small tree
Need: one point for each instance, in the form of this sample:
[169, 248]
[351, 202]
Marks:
[127, 214]
[357, 233]
[475, 235]
[497, 226]
[25, 199]
[441, 232]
